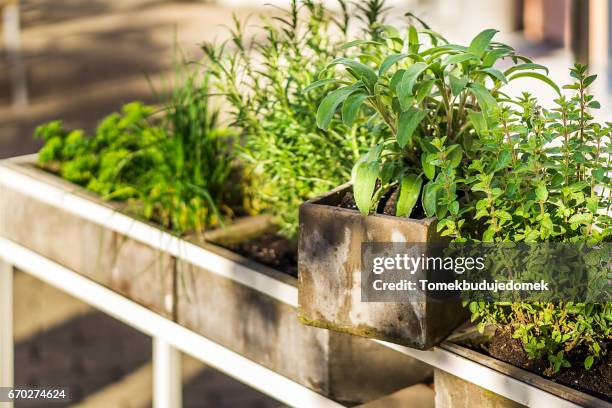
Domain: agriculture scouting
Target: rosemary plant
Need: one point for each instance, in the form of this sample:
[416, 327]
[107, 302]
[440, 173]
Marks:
[288, 158]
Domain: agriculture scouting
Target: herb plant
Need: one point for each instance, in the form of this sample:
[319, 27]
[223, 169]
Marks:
[288, 158]
[171, 165]
[543, 175]
[499, 169]
[431, 95]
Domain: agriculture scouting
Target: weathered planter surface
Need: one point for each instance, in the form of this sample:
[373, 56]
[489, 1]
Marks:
[343, 367]
[135, 270]
[207, 297]
[455, 392]
[329, 265]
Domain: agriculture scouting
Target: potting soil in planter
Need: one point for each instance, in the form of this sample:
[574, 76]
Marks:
[269, 249]
[596, 381]
[387, 204]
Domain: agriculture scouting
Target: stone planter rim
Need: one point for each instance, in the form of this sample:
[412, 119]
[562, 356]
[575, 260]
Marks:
[265, 280]
[572, 395]
[317, 201]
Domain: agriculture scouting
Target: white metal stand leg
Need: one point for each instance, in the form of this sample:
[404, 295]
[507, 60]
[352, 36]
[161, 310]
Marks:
[12, 44]
[6, 327]
[166, 375]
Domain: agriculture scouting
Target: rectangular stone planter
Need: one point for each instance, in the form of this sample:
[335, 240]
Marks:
[329, 268]
[454, 392]
[131, 268]
[237, 303]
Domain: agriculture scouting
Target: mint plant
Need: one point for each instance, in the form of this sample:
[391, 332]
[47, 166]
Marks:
[540, 173]
[543, 175]
[288, 159]
[431, 95]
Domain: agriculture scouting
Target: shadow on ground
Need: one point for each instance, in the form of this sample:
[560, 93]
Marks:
[89, 353]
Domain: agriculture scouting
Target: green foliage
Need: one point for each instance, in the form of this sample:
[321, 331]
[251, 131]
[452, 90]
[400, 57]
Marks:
[171, 166]
[432, 95]
[543, 176]
[288, 159]
[493, 170]
[538, 174]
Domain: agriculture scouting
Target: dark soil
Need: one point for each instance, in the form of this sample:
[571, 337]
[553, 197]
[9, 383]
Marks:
[272, 250]
[596, 381]
[386, 205]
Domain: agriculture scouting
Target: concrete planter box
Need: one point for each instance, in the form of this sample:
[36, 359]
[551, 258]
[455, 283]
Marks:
[329, 265]
[131, 268]
[455, 392]
[237, 303]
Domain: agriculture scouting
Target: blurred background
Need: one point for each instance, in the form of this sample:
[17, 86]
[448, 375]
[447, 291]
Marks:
[78, 60]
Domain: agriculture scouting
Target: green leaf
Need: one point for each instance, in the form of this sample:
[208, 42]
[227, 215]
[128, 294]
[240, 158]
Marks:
[441, 210]
[588, 362]
[412, 15]
[413, 35]
[434, 36]
[495, 73]
[363, 72]
[484, 98]
[428, 168]
[408, 122]
[389, 62]
[589, 80]
[479, 44]
[538, 76]
[599, 174]
[396, 78]
[478, 121]
[541, 193]
[430, 199]
[388, 172]
[583, 219]
[373, 154]
[319, 83]
[503, 160]
[454, 208]
[457, 84]
[594, 105]
[413, 39]
[351, 106]
[364, 183]
[424, 90]
[330, 103]
[488, 235]
[455, 157]
[410, 187]
[459, 58]
[492, 56]
[525, 67]
[404, 88]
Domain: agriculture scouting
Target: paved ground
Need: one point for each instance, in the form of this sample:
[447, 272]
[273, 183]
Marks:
[84, 59]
